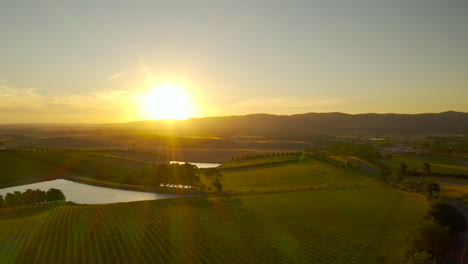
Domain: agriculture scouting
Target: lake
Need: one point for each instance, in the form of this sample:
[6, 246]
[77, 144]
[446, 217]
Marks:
[199, 164]
[88, 194]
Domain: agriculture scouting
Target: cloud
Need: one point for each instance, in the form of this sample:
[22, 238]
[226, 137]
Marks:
[30, 105]
[117, 75]
[27, 98]
[32, 99]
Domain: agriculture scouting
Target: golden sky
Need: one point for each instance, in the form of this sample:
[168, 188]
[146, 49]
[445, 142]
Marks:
[118, 61]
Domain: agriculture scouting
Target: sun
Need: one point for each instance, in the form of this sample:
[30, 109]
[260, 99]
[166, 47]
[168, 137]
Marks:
[167, 101]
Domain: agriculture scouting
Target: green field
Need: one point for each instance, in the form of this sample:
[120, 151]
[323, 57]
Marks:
[296, 175]
[256, 162]
[439, 164]
[347, 218]
[190, 230]
[377, 217]
[17, 170]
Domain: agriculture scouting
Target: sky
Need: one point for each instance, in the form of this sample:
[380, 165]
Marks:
[100, 61]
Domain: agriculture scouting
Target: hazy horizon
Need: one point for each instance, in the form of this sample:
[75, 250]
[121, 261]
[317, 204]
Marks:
[170, 120]
[123, 61]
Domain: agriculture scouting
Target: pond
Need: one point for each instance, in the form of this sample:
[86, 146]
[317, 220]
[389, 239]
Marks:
[88, 194]
[199, 164]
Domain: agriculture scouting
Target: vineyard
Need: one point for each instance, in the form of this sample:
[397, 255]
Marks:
[17, 170]
[377, 217]
[258, 162]
[189, 230]
[95, 166]
[293, 175]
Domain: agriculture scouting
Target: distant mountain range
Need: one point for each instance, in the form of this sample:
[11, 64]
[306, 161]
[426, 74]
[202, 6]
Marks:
[446, 123]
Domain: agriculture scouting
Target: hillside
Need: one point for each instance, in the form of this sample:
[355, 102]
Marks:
[292, 175]
[315, 123]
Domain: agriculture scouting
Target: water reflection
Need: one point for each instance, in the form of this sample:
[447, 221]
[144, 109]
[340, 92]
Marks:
[88, 194]
[199, 164]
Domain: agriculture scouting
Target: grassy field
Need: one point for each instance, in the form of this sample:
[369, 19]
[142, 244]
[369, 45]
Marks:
[189, 230]
[340, 158]
[292, 175]
[17, 170]
[439, 164]
[256, 162]
[455, 188]
[377, 217]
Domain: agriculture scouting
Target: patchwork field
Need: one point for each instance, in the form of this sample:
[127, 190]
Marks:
[293, 175]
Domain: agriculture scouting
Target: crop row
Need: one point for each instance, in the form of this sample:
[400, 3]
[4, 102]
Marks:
[179, 231]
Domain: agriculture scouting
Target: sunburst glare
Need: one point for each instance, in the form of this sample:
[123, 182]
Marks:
[167, 101]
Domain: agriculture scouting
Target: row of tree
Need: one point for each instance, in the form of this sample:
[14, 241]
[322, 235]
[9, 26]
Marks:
[123, 171]
[403, 169]
[32, 197]
[403, 172]
[267, 155]
[333, 161]
[365, 151]
[422, 185]
[174, 174]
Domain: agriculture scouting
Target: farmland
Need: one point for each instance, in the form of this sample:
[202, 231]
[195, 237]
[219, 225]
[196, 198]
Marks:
[189, 230]
[293, 175]
[439, 164]
[18, 170]
[345, 217]
[345, 213]
[257, 162]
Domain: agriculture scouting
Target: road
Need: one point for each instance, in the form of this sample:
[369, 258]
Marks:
[460, 207]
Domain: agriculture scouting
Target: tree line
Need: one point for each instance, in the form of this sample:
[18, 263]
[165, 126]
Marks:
[333, 161]
[267, 155]
[32, 197]
[162, 175]
[364, 151]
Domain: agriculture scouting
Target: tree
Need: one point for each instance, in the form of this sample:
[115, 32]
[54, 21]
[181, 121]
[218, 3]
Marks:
[39, 196]
[10, 199]
[431, 186]
[398, 176]
[447, 215]
[1, 201]
[403, 167]
[421, 258]
[14, 199]
[214, 176]
[427, 168]
[431, 237]
[55, 195]
[28, 196]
